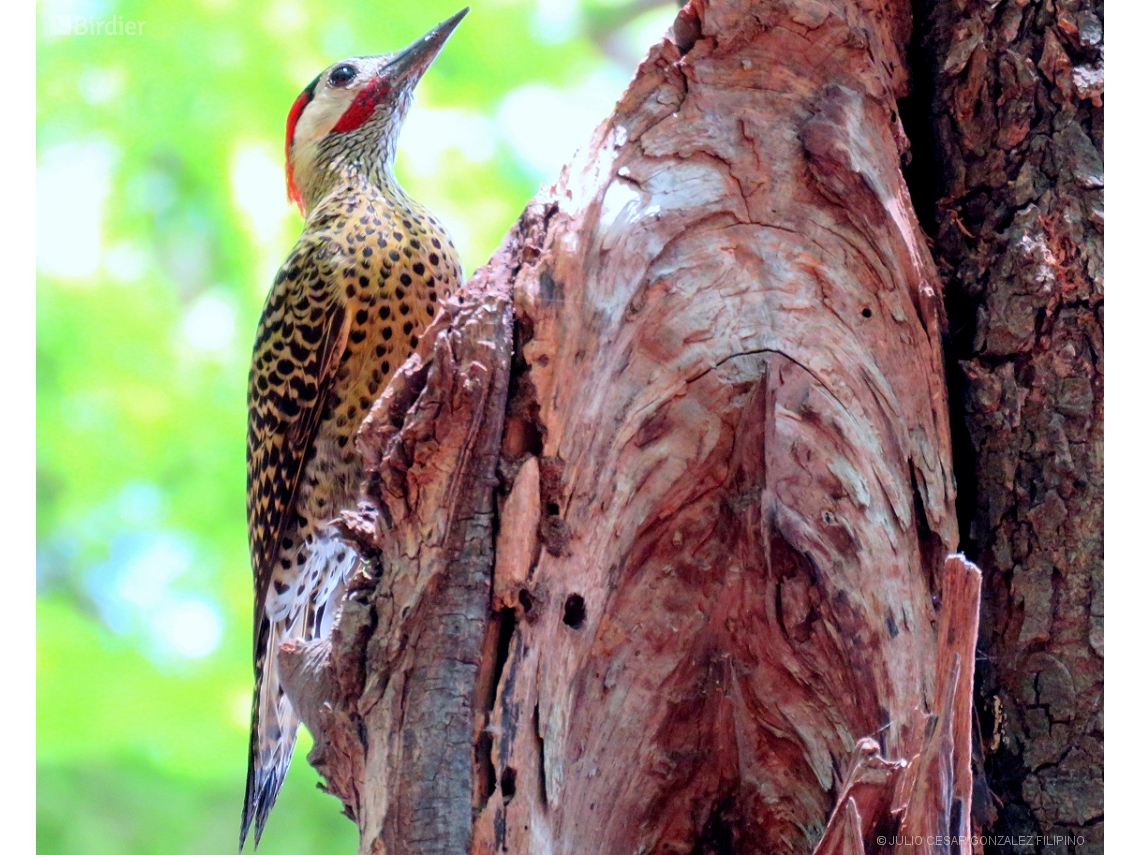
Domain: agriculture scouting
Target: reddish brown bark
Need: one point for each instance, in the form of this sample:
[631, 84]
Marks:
[714, 615]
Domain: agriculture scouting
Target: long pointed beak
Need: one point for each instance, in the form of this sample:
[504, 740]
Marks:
[409, 65]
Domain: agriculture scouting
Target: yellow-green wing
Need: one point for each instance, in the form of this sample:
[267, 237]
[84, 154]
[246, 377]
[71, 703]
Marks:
[300, 341]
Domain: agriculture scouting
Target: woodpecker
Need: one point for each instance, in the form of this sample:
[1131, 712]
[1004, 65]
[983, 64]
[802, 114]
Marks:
[346, 309]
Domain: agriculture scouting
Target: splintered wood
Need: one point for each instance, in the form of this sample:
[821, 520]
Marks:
[668, 577]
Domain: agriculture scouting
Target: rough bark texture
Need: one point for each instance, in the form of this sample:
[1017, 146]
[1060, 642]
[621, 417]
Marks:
[715, 614]
[390, 698]
[1018, 122]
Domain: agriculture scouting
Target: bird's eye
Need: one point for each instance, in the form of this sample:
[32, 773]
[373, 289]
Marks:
[342, 75]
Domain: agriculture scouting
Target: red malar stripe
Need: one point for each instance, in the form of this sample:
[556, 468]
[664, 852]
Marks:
[363, 106]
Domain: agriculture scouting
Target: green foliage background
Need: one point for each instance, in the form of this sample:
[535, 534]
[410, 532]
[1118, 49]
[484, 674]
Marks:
[144, 588]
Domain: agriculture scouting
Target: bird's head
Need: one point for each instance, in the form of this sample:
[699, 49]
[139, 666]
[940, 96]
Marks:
[349, 118]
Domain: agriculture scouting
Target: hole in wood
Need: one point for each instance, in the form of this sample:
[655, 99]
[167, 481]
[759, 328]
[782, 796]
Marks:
[541, 759]
[484, 769]
[502, 648]
[552, 509]
[575, 614]
[866, 313]
[508, 784]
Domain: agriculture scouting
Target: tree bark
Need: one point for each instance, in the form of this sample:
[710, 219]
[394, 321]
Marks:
[659, 533]
[1017, 117]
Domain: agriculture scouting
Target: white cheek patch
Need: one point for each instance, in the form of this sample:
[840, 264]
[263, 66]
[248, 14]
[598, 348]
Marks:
[322, 114]
[317, 119]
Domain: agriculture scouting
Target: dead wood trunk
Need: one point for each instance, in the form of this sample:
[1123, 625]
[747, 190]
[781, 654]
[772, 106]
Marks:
[1015, 106]
[660, 530]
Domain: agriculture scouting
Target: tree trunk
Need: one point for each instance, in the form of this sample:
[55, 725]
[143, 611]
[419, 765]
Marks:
[659, 532]
[1016, 91]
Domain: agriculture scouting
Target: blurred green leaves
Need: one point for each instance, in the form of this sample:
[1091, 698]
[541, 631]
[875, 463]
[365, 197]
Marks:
[161, 219]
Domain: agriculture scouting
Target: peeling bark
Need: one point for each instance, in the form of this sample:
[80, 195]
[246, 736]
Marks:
[659, 532]
[1016, 93]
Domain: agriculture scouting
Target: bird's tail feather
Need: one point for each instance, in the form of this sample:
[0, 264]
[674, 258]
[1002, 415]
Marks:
[271, 741]
[299, 614]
